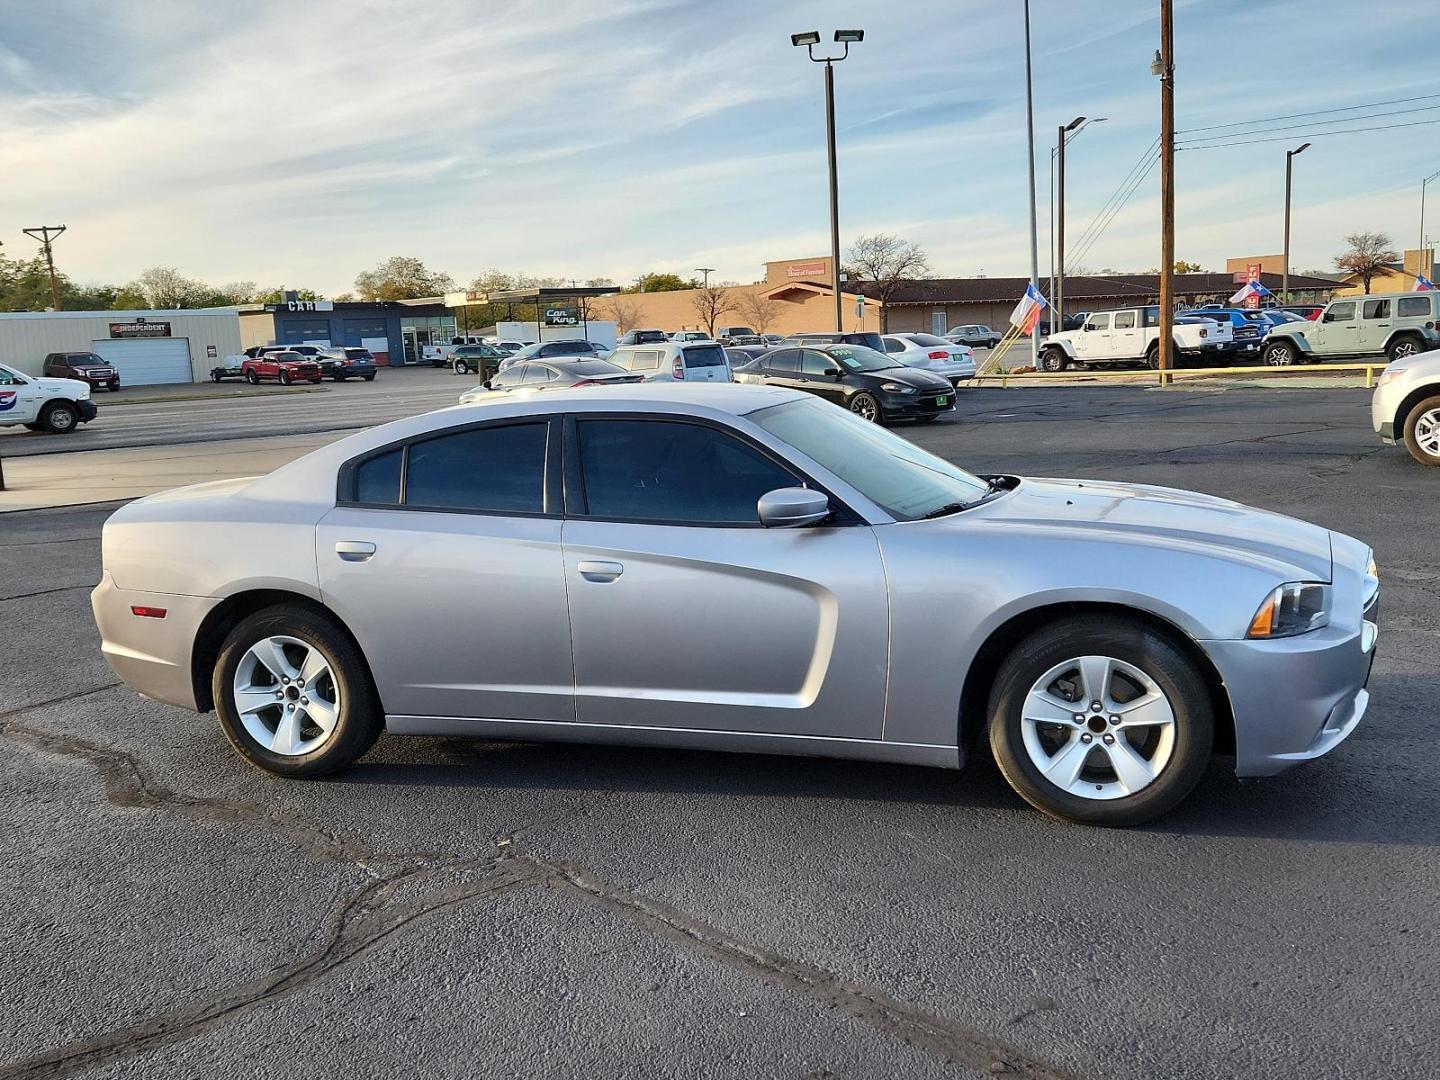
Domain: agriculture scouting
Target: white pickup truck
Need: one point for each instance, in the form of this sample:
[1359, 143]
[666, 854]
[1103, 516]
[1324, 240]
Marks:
[1132, 336]
[55, 405]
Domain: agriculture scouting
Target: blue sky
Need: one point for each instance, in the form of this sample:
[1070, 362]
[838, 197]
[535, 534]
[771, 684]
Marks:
[301, 142]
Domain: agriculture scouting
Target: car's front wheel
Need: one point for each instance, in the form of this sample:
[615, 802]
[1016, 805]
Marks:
[462, 368]
[252, 378]
[1101, 720]
[1422, 432]
[863, 404]
[59, 417]
[1053, 359]
[1279, 354]
[293, 693]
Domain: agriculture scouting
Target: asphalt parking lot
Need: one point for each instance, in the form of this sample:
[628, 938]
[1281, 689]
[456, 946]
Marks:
[464, 909]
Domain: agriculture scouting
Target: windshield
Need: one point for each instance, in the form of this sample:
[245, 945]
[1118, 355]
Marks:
[895, 474]
[859, 358]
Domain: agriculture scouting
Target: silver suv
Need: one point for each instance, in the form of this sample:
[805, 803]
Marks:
[667, 361]
[1396, 324]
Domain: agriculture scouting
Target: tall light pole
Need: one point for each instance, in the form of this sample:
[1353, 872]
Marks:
[1030, 157]
[1421, 256]
[1285, 277]
[707, 271]
[1164, 66]
[810, 39]
[1057, 287]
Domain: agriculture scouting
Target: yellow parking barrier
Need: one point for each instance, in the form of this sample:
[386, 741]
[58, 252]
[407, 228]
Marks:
[1166, 378]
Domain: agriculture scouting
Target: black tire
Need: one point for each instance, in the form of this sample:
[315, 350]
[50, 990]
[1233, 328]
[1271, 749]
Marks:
[1152, 357]
[1132, 642]
[59, 417]
[369, 378]
[215, 376]
[1429, 412]
[252, 378]
[361, 718]
[285, 379]
[1279, 354]
[462, 368]
[1053, 358]
[866, 405]
[1404, 345]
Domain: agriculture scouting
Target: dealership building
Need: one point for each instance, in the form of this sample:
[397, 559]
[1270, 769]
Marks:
[393, 330]
[146, 347]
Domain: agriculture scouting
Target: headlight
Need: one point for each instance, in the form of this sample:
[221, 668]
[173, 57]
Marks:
[896, 388]
[1388, 375]
[1295, 608]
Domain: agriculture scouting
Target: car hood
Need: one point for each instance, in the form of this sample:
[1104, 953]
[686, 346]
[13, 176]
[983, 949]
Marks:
[1163, 515]
[64, 387]
[909, 376]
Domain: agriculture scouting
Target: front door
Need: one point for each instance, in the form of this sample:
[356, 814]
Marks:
[453, 582]
[686, 613]
[18, 398]
[1094, 340]
[819, 375]
[1337, 330]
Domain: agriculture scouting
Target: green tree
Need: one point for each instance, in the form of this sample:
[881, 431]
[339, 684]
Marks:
[402, 277]
[661, 283]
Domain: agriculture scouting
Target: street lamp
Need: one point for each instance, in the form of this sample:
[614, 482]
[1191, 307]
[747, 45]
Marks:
[707, 271]
[1420, 257]
[1057, 284]
[1285, 277]
[810, 39]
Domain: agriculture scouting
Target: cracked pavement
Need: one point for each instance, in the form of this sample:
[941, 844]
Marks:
[460, 908]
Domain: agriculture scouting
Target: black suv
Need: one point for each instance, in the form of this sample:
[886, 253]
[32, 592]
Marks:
[482, 358]
[867, 382]
[84, 366]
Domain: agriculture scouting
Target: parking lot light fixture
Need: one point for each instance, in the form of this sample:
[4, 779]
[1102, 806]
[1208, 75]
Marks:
[1285, 275]
[810, 37]
[847, 36]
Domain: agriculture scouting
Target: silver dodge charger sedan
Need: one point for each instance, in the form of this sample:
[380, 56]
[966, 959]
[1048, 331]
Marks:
[739, 568]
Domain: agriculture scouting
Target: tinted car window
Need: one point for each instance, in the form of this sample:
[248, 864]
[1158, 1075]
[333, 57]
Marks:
[1377, 309]
[893, 345]
[928, 340]
[859, 358]
[1100, 322]
[653, 470]
[568, 348]
[698, 356]
[536, 374]
[499, 469]
[784, 360]
[511, 376]
[378, 480]
[816, 363]
[1414, 305]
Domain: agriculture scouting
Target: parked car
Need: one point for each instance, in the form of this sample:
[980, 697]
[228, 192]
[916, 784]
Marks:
[690, 335]
[510, 347]
[1405, 407]
[347, 363]
[285, 366]
[744, 339]
[58, 406]
[870, 339]
[485, 359]
[976, 335]
[1309, 312]
[1132, 336]
[739, 356]
[674, 361]
[772, 339]
[950, 361]
[1248, 327]
[870, 384]
[726, 335]
[311, 352]
[1396, 324]
[231, 367]
[549, 350]
[642, 337]
[551, 375]
[86, 367]
[834, 589]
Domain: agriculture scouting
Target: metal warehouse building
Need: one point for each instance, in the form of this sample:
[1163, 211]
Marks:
[393, 330]
[146, 347]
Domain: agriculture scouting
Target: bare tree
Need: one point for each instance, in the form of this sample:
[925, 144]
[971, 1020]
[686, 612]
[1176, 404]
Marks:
[886, 261]
[710, 303]
[758, 310]
[627, 313]
[1365, 255]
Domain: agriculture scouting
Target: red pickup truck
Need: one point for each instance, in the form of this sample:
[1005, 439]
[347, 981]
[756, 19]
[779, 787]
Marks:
[288, 367]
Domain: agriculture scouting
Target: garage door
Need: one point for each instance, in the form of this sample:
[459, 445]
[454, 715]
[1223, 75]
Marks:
[145, 361]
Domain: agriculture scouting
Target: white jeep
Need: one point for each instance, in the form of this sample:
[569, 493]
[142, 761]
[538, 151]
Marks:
[1132, 336]
[55, 405]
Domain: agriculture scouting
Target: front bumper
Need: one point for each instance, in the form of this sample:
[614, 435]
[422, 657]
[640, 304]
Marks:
[909, 406]
[86, 410]
[1387, 432]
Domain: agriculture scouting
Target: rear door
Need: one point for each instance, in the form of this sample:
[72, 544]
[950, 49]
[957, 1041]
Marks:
[1126, 337]
[1375, 324]
[782, 368]
[443, 558]
[686, 613]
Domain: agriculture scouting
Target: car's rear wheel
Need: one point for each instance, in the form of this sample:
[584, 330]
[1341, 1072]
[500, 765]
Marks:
[1101, 720]
[59, 417]
[1403, 346]
[369, 378]
[214, 377]
[1422, 432]
[1279, 354]
[1053, 359]
[863, 404]
[293, 693]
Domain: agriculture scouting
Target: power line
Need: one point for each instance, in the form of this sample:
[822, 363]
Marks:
[1314, 112]
[1342, 120]
[1311, 135]
[1125, 180]
[1082, 252]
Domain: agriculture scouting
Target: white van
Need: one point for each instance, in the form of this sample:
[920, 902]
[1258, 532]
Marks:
[670, 361]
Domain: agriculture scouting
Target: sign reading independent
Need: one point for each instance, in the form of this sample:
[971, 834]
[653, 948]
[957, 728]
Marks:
[140, 328]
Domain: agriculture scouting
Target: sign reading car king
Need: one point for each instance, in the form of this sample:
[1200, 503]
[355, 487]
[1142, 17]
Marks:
[140, 328]
[561, 317]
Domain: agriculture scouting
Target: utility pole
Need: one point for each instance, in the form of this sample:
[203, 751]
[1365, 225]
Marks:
[1165, 61]
[1285, 276]
[707, 271]
[43, 233]
[1030, 157]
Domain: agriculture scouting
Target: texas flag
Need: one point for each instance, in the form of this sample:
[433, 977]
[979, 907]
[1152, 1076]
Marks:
[1251, 288]
[1027, 311]
[1423, 283]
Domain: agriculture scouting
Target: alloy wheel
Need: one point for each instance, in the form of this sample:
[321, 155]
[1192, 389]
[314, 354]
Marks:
[1401, 349]
[864, 405]
[1427, 432]
[286, 695]
[1098, 727]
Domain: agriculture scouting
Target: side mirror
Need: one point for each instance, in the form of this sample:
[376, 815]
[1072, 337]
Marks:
[1090, 326]
[834, 371]
[487, 385]
[790, 508]
[1327, 317]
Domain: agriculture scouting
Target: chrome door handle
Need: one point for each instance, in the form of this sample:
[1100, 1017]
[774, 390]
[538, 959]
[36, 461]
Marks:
[354, 550]
[592, 570]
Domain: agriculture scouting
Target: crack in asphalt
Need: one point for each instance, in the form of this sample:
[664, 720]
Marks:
[45, 592]
[424, 885]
